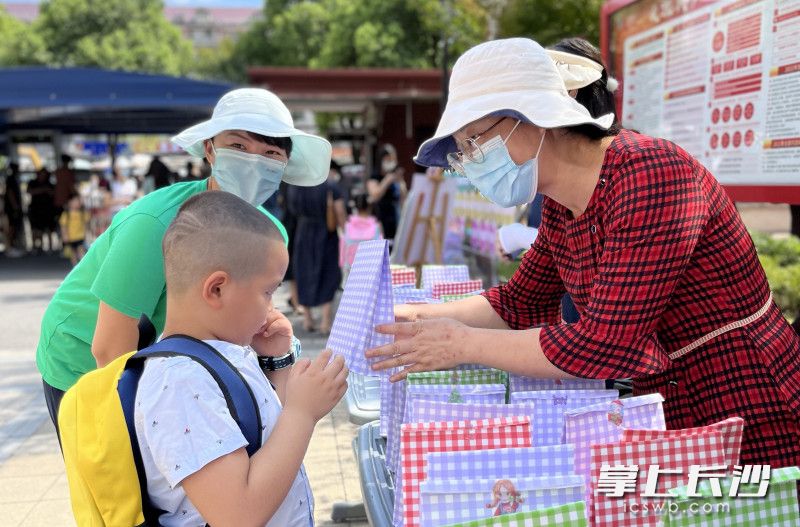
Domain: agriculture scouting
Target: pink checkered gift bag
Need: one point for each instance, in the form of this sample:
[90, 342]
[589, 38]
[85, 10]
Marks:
[419, 439]
[731, 430]
[620, 474]
[518, 383]
[456, 288]
[550, 407]
[604, 423]
[406, 276]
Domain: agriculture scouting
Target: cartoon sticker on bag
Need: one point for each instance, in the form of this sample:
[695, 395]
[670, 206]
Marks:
[505, 498]
[455, 396]
[615, 412]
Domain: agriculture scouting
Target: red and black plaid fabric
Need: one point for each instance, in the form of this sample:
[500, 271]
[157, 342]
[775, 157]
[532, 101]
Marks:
[660, 258]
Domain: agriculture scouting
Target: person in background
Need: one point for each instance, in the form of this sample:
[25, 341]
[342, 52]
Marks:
[96, 197]
[73, 223]
[290, 222]
[41, 210]
[15, 214]
[316, 247]
[161, 174]
[361, 226]
[65, 184]
[387, 190]
[123, 191]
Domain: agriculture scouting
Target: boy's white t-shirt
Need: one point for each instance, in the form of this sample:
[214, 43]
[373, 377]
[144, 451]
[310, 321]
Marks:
[183, 423]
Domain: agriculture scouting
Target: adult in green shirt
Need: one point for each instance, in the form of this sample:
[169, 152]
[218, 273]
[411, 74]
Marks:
[252, 144]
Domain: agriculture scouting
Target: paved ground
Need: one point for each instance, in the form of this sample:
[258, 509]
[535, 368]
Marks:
[33, 488]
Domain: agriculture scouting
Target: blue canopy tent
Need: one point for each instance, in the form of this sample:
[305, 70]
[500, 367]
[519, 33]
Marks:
[90, 101]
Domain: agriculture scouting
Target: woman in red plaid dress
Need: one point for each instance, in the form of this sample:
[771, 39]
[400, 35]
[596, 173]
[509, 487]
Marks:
[653, 252]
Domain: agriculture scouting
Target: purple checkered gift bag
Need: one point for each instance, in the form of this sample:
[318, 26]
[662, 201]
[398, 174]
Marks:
[550, 407]
[603, 423]
[427, 410]
[537, 461]
[518, 383]
[366, 302]
[434, 274]
[392, 403]
[459, 500]
[453, 393]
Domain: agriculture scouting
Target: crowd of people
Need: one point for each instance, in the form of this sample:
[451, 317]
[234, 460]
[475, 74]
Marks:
[65, 213]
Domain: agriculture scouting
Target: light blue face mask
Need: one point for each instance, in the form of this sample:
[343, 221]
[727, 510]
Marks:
[252, 177]
[501, 180]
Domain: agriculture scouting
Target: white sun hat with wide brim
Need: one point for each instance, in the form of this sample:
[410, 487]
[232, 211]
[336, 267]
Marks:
[261, 112]
[514, 74]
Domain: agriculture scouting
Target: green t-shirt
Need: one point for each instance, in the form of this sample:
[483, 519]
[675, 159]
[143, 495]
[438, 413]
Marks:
[124, 268]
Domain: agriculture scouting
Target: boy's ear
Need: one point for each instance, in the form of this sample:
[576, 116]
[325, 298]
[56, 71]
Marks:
[214, 287]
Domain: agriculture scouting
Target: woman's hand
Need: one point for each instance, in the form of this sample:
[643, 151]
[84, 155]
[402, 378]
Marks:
[405, 313]
[422, 345]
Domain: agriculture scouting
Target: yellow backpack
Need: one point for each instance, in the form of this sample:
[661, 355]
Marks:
[107, 483]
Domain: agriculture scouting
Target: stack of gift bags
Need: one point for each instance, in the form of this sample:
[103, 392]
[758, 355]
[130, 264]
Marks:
[478, 447]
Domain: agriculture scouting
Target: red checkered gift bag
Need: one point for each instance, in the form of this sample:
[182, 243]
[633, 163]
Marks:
[630, 480]
[731, 430]
[419, 439]
[405, 276]
[456, 288]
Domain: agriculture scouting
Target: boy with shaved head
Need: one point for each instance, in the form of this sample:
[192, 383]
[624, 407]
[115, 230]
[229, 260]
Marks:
[223, 261]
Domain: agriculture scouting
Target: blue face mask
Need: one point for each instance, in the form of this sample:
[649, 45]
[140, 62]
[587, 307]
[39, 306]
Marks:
[252, 177]
[501, 180]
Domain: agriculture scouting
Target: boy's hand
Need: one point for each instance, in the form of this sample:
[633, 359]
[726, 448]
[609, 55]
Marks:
[315, 386]
[275, 336]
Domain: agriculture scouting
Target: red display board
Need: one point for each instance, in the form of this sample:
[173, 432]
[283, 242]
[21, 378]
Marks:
[721, 78]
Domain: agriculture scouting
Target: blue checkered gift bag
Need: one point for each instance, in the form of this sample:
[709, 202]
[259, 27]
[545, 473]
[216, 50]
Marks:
[537, 461]
[518, 383]
[366, 302]
[435, 274]
[569, 515]
[460, 500]
[550, 407]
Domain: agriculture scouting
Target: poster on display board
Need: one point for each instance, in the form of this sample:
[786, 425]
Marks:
[719, 78]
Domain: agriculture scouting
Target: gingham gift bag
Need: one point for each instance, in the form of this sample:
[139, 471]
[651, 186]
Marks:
[519, 383]
[458, 500]
[456, 288]
[731, 429]
[604, 423]
[433, 274]
[392, 401]
[454, 298]
[409, 295]
[426, 411]
[419, 439]
[366, 302]
[777, 508]
[570, 515]
[620, 473]
[550, 407]
[499, 463]
[404, 276]
[454, 393]
[476, 376]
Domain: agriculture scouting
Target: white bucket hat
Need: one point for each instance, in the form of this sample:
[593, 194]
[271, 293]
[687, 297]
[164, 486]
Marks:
[514, 74]
[261, 112]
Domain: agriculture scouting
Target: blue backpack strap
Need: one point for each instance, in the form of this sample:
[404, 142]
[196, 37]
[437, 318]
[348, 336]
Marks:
[238, 395]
